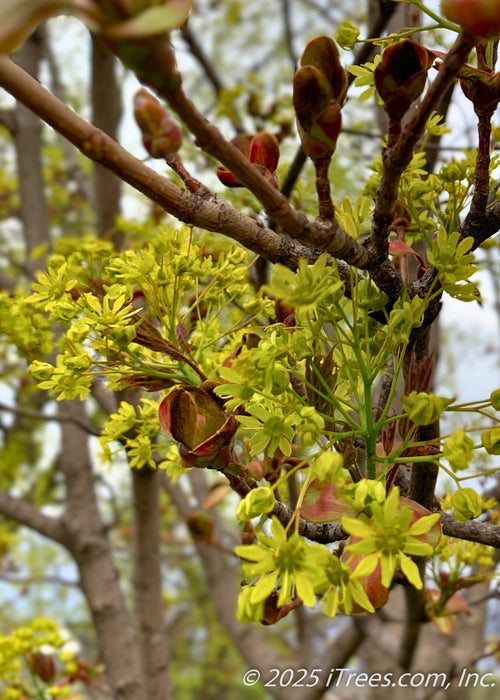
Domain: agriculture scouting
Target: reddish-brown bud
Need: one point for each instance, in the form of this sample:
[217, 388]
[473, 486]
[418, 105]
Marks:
[312, 93]
[323, 54]
[161, 136]
[401, 75]
[319, 89]
[481, 88]
[42, 666]
[200, 526]
[262, 150]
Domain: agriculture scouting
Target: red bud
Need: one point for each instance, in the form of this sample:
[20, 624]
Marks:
[160, 134]
[401, 75]
[262, 150]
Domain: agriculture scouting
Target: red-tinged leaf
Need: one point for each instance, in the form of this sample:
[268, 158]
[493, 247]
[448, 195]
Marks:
[145, 381]
[227, 362]
[322, 503]
[194, 419]
[399, 248]
[177, 414]
[432, 536]
[446, 625]
[242, 143]
[372, 583]
[265, 151]
[457, 604]
[42, 665]
[330, 122]
[272, 613]
[214, 453]
[227, 177]
[388, 436]
[483, 89]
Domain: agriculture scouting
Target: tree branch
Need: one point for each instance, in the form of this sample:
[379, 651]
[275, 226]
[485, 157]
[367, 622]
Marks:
[209, 138]
[106, 110]
[26, 514]
[472, 530]
[73, 168]
[147, 583]
[28, 144]
[8, 120]
[210, 212]
[85, 537]
[37, 415]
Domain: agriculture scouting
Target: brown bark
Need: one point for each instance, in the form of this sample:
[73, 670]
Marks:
[27, 134]
[106, 110]
[147, 583]
[85, 537]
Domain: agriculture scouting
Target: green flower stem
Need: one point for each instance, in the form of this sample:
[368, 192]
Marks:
[333, 399]
[369, 434]
[415, 459]
[410, 31]
[440, 22]
[477, 475]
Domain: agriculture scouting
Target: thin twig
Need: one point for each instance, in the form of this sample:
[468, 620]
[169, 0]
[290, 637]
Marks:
[37, 415]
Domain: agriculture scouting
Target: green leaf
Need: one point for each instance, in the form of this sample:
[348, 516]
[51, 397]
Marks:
[424, 408]
[457, 449]
[257, 502]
